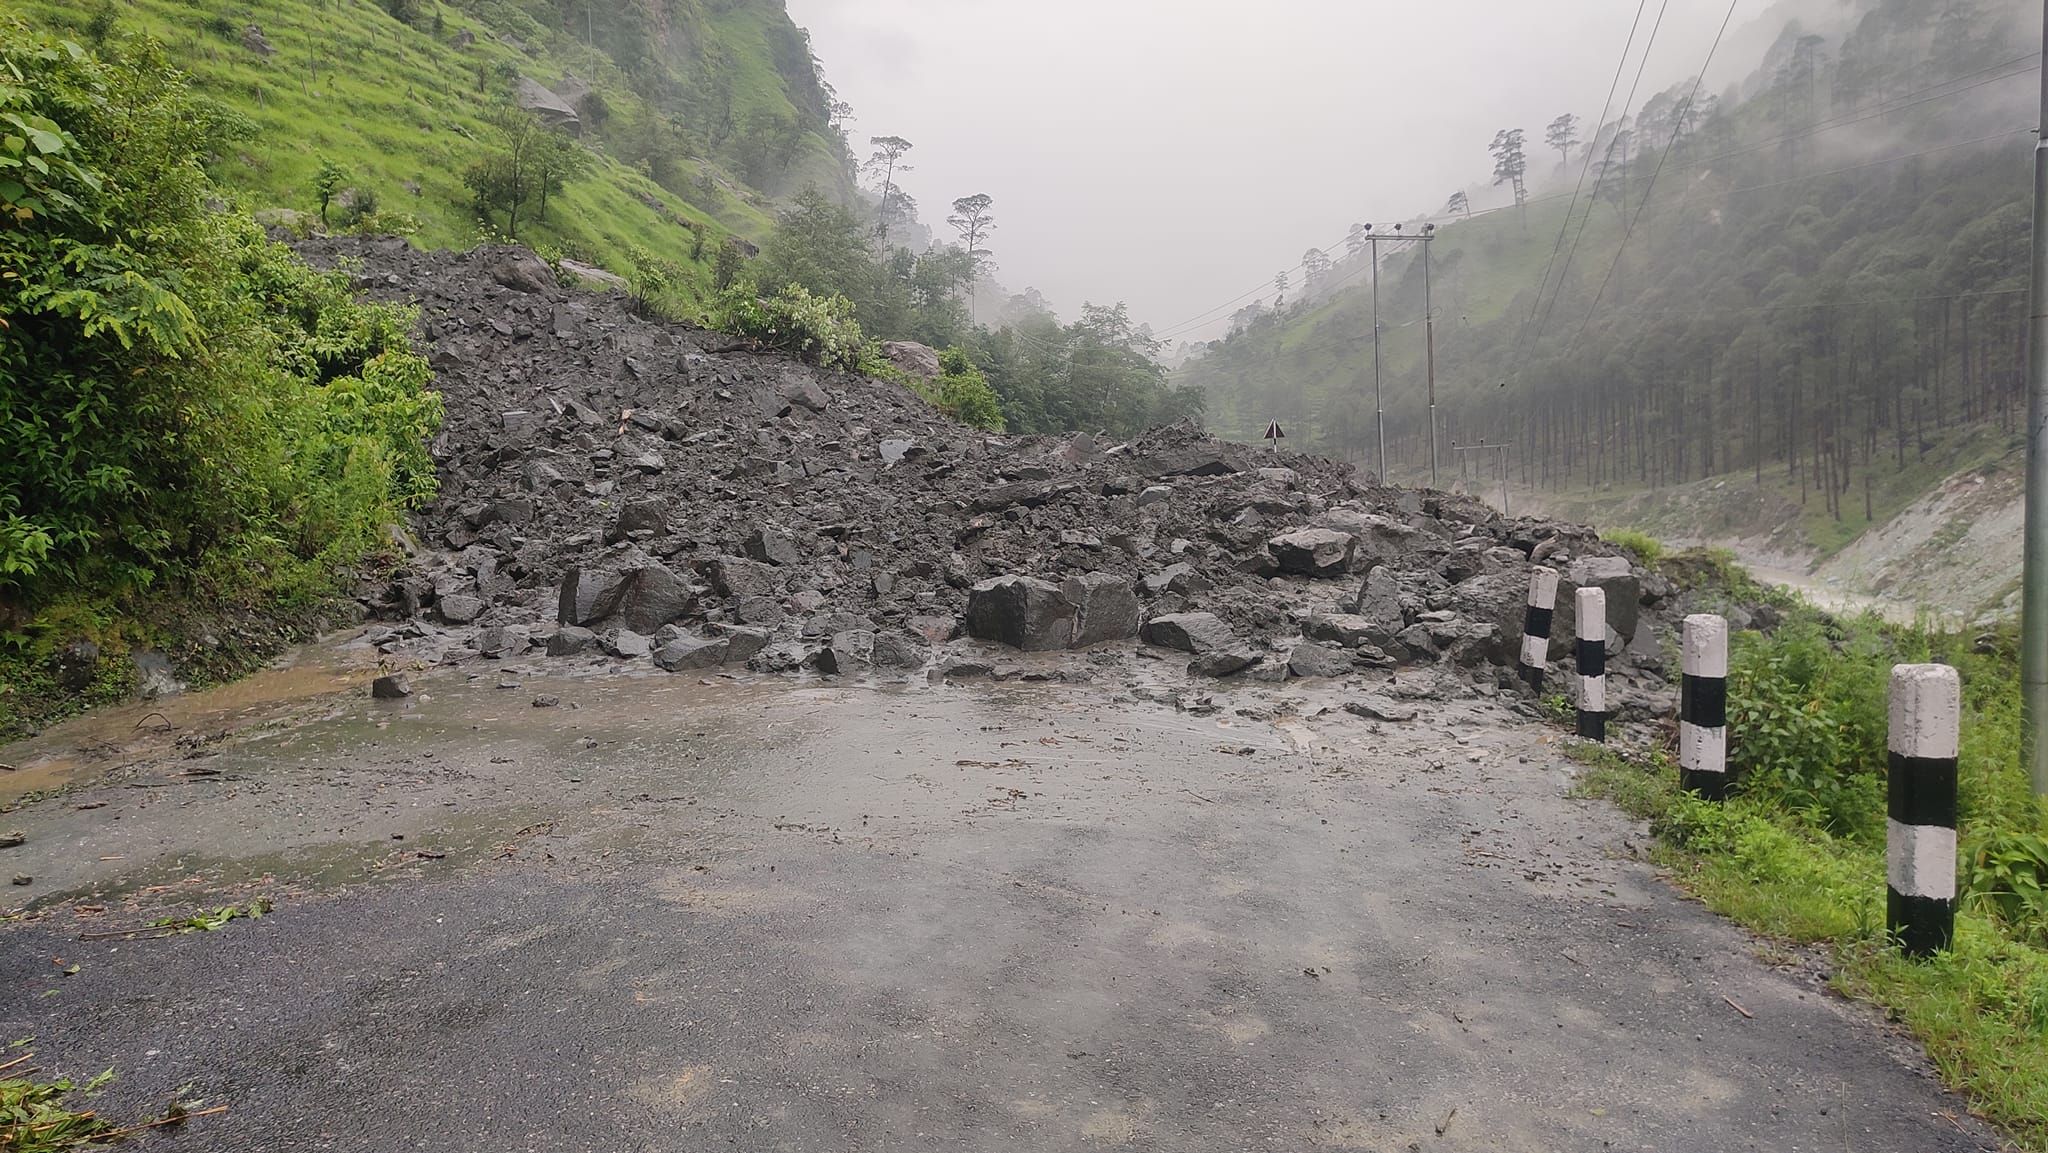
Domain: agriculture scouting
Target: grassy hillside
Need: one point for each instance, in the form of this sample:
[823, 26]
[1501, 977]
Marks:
[707, 110]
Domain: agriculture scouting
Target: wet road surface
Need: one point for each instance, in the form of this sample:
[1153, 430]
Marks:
[671, 915]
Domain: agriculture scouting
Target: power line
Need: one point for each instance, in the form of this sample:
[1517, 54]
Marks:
[1885, 108]
[1678, 122]
[1613, 86]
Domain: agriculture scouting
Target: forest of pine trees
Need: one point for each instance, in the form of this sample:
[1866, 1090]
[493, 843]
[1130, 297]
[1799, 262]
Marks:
[1820, 272]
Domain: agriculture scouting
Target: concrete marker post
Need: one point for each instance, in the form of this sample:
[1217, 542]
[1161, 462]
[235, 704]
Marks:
[1703, 708]
[1920, 872]
[1592, 614]
[1536, 625]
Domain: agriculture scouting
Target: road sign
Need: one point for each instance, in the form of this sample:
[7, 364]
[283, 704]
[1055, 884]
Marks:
[1275, 432]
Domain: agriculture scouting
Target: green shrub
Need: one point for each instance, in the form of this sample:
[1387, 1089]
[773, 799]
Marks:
[964, 393]
[818, 330]
[1648, 549]
[176, 392]
[1807, 723]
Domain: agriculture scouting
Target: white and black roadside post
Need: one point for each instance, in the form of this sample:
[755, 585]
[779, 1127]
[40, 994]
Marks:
[1703, 708]
[1592, 615]
[1536, 625]
[1926, 732]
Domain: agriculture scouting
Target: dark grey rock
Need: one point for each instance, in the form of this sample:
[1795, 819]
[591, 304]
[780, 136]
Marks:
[1382, 709]
[736, 577]
[639, 516]
[773, 546]
[1379, 601]
[1106, 609]
[1022, 612]
[897, 651]
[626, 644]
[1312, 660]
[570, 640]
[688, 652]
[395, 686]
[77, 664]
[1190, 633]
[459, 609]
[1223, 662]
[741, 643]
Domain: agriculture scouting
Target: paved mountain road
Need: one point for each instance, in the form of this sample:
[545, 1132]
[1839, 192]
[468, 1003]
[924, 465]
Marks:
[991, 918]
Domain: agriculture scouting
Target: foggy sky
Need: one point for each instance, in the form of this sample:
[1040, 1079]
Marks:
[1175, 153]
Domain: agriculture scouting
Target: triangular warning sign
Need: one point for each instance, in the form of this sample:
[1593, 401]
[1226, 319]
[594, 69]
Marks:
[1275, 432]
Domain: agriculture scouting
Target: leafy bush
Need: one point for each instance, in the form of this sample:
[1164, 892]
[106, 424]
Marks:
[1807, 723]
[819, 330]
[175, 390]
[964, 393]
[1647, 548]
[2008, 878]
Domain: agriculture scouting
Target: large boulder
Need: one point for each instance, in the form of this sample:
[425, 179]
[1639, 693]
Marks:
[640, 516]
[1190, 633]
[1617, 578]
[1380, 540]
[1022, 612]
[642, 598]
[690, 652]
[1105, 608]
[547, 106]
[1314, 660]
[1312, 552]
[736, 578]
[523, 272]
[1379, 600]
[916, 359]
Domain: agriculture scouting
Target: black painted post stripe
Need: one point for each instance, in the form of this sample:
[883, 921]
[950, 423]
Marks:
[1592, 657]
[1923, 925]
[1539, 622]
[1922, 790]
[1703, 701]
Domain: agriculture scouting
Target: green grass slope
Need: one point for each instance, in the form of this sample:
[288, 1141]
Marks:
[401, 105]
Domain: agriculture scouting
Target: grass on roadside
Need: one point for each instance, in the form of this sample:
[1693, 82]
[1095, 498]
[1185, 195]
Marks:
[1981, 1009]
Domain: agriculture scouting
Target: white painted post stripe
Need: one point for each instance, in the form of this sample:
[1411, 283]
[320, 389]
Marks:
[1706, 646]
[1920, 860]
[1592, 606]
[1543, 587]
[1702, 750]
[1593, 694]
[1926, 711]
[1535, 651]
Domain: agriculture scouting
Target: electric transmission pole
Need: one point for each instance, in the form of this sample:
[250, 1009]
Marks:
[2034, 574]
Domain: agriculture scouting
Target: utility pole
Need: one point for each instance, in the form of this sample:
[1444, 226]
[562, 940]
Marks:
[1429, 332]
[1379, 408]
[1502, 449]
[2034, 578]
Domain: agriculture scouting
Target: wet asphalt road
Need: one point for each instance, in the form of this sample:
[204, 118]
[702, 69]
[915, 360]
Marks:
[989, 918]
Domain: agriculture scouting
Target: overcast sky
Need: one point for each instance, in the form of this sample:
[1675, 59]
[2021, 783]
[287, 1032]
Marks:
[1175, 153]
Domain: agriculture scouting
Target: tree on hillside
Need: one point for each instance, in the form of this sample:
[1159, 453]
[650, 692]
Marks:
[506, 178]
[1459, 205]
[558, 162]
[888, 160]
[1511, 166]
[973, 221]
[820, 245]
[1563, 135]
[1280, 283]
[326, 183]
[1316, 265]
[1355, 241]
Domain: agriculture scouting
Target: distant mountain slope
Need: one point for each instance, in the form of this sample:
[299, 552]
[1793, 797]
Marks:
[1822, 286]
[702, 109]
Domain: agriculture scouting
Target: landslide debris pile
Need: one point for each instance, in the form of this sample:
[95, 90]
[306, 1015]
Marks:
[621, 490]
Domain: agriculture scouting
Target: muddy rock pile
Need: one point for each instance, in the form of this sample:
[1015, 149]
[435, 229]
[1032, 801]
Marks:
[620, 490]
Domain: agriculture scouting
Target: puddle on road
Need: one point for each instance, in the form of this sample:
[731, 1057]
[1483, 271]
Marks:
[87, 747]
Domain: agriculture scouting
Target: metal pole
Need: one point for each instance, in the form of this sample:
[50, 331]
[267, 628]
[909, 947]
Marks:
[1429, 332]
[1503, 483]
[1379, 411]
[2034, 603]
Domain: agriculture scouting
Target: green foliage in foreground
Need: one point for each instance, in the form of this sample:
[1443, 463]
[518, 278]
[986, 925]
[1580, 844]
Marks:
[177, 393]
[34, 1117]
[1799, 854]
[1648, 549]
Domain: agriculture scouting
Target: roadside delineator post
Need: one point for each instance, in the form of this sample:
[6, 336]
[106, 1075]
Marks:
[1703, 708]
[1536, 625]
[1920, 873]
[1592, 618]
